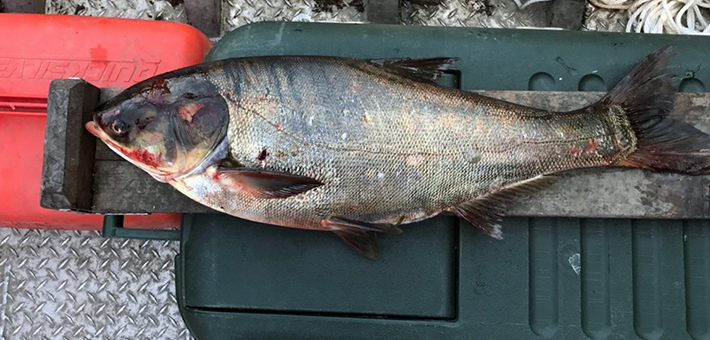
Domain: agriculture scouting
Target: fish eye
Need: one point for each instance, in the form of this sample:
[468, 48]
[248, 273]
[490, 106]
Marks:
[118, 128]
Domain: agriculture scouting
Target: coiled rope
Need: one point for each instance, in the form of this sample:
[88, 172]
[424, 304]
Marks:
[662, 16]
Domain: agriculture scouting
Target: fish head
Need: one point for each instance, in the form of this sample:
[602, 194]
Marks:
[166, 126]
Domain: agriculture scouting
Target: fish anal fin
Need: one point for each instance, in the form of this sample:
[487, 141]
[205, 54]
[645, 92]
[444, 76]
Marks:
[487, 211]
[361, 241]
[266, 184]
[425, 70]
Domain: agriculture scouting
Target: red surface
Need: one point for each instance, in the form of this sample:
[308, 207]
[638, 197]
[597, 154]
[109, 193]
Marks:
[104, 51]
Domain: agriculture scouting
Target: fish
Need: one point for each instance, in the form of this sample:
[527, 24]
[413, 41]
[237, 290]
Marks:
[364, 146]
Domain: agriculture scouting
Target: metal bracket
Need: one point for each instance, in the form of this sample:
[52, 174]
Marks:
[22, 6]
[204, 15]
[113, 228]
[567, 14]
[382, 11]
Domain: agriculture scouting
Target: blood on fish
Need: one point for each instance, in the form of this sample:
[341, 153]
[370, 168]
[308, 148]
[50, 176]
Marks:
[278, 126]
[144, 156]
[262, 154]
[575, 151]
[159, 83]
[593, 143]
[155, 93]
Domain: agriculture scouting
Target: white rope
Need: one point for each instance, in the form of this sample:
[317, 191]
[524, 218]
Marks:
[663, 16]
[525, 3]
[610, 4]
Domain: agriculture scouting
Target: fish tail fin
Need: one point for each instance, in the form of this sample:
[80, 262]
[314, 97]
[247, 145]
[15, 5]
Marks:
[647, 98]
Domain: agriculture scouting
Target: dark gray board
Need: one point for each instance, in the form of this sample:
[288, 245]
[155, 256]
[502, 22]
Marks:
[610, 192]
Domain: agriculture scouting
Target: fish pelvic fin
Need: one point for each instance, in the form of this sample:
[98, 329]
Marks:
[487, 211]
[359, 235]
[646, 97]
[363, 242]
[345, 223]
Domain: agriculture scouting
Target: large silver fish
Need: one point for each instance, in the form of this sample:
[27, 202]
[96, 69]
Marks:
[354, 146]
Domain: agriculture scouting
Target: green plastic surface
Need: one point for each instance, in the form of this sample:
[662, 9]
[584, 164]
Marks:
[441, 279]
[331, 282]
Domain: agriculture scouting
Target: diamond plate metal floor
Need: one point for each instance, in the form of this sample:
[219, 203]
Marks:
[78, 285]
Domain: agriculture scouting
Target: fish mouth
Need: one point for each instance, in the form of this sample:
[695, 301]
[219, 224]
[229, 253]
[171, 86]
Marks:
[94, 129]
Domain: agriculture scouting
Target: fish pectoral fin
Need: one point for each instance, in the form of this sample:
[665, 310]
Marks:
[487, 211]
[266, 184]
[361, 241]
[341, 223]
[424, 70]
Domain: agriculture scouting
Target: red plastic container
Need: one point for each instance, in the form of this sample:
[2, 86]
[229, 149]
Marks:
[107, 52]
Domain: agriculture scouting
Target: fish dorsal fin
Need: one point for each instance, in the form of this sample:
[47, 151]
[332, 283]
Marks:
[266, 184]
[358, 235]
[487, 211]
[424, 70]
